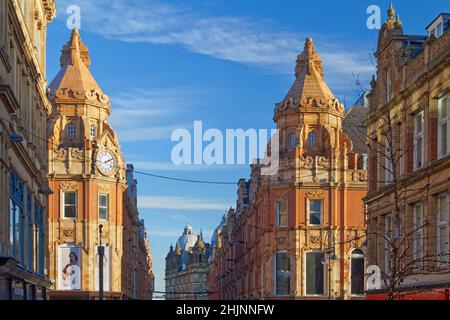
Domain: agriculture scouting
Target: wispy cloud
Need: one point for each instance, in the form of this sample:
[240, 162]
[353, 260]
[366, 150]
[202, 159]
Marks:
[137, 114]
[167, 166]
[180, 203]
[234, 38]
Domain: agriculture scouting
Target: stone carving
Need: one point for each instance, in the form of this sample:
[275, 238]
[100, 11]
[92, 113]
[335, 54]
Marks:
[77, 154]
[60, 154]
[306, 162]
[323, 162]
[92, 95]
[315, 194]
[359, 176]
[68, 186]
[104, 188]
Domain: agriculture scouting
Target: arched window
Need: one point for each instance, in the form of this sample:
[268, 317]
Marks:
[312, 139]
[71, 131]
[357, 272]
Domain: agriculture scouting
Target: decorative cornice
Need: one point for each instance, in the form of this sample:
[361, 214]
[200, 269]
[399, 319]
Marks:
[68, 186]
[90, 95]
[314, 194]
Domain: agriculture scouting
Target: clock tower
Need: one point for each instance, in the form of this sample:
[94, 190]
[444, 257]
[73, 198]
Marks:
[88, 178]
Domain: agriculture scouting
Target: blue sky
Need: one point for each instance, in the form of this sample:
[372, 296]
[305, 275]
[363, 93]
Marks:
[166, 64]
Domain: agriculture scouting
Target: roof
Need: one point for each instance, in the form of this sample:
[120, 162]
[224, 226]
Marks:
[309, 81]
[444, 15]
[353, 125]
[75, 63]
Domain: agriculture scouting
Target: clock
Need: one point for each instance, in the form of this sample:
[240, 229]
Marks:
[105, 162]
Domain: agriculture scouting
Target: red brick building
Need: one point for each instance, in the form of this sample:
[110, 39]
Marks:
[409, 162]
[299, 234]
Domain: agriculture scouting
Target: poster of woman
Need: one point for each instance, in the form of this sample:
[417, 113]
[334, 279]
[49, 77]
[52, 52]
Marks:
[69, 275]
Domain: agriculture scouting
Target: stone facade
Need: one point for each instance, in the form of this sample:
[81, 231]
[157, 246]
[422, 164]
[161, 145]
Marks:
[299, 234]
[23, 158]
[409, 101]
[187, 268]
[88, 178]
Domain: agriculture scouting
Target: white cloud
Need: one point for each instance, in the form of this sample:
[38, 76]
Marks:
[179, 203]
[175, 233]
[233, 38]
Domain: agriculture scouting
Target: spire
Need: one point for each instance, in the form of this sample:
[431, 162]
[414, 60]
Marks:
[309, 84]
[200, 244]
[74, 80]
[391, 12]
[398, 22]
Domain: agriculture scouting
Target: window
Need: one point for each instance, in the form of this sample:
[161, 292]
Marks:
[387, 242]
[418, 140]
[282, 214]
[388, 86]
[92, 132]
[71, 131]
[357, 272]
[443, 126]
[292, 142]
[29, 231]
[418, 226]
[283, 274]
[70, 205]
[388, 167]
[442, 230]
[315, 212]
[16, 218]
[39, 238]
[312, 139]
[315, 273]
[103, 204]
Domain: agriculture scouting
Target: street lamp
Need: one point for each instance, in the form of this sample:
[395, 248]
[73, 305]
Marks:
[331, 256]
[101, 254]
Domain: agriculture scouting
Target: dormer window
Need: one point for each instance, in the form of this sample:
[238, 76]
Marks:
[71, 131]
[312, 139]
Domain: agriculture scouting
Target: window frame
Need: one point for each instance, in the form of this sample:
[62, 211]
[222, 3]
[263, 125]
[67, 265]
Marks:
[419, 135]
[324, 276]
[418, 243]
[312, 137]
[103, 207]
[443, 120]
[388, 165]
[279, 215]
[292, 141]
[442, 224]
[362, 256]
[92, 132]
[71, 131]
[387, 235]
[288, 276]
[310, 201]
[74, 205]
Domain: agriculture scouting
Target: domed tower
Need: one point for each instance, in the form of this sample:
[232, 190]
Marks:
[87, 176]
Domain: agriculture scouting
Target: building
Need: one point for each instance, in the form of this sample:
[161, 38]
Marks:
[299, 233]
[409, 162]
[87, 175]
[23, 157]
[187, 268]
[137, 274]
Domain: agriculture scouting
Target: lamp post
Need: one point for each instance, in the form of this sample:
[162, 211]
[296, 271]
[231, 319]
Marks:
[331, 256]
[101, 254]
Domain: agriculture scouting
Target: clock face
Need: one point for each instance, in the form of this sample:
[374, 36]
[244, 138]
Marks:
[105, 162]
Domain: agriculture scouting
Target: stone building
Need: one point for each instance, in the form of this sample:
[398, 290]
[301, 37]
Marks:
[23, 157]
[187, 268]
[299, 233]
[87, 175]
[408, 183]
[137, 273]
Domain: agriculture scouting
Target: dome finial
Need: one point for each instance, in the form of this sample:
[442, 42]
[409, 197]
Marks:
[391, 11]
